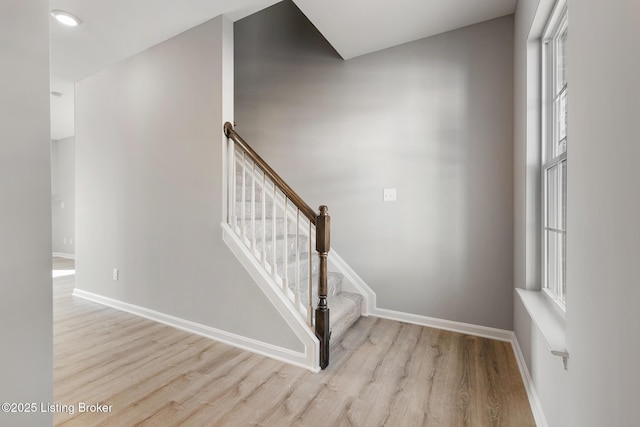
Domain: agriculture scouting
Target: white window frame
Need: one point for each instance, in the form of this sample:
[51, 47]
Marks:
[553, 274]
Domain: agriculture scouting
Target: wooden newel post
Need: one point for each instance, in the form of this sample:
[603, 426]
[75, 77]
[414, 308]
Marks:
[323, 229]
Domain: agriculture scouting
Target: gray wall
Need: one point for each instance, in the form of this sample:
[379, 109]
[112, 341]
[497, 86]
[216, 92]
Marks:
[603, 234]
[26, 368]
[431, 118]
[603, 238]
[149, 189]
[63, 195]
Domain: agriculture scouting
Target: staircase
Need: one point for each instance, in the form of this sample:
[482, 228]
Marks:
[279, 231]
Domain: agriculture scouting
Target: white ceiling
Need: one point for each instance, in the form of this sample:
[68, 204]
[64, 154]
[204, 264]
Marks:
[357, 27]
[113, 30]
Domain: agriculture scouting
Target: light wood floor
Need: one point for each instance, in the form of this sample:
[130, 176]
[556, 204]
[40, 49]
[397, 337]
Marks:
[382, 373]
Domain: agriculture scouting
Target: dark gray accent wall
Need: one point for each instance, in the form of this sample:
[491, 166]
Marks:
[26, 332]
[432, 118]
[149, 189]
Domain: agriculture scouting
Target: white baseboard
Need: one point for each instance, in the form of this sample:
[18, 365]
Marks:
[249, 344]
[534, 401]
[447, 325]
[63, 255]
[282, 304]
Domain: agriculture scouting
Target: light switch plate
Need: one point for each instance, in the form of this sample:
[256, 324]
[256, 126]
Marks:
[389, 195]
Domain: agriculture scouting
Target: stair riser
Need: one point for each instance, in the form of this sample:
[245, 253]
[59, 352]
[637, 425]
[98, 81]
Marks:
[345, 310]
[334, 286]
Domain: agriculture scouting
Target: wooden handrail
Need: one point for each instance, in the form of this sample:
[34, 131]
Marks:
[322, 222]
[306, 210]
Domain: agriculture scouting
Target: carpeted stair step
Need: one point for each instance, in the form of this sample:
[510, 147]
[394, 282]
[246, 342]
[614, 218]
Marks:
[345, 309]
[334, 287]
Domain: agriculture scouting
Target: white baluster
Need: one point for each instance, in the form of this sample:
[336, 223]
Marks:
[230, 181]
[238, 226]
[285, 249]
[253, 207]
[264, 218]
[243, 208]
[309, 316]
[297, 266]
[273, 236]
[232, 187]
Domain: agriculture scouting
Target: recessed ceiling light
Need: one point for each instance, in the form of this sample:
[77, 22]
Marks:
[66, 18]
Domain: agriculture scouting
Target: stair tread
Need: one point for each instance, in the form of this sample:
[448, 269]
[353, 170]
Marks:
[334, 285]
[343, 301]
[351, 296]
[344, 311]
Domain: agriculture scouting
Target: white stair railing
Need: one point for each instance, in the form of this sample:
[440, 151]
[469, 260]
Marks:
[280, 230]
[273, 230]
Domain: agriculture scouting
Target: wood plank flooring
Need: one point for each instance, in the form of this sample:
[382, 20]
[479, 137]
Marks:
[383, 373]
[59, 263]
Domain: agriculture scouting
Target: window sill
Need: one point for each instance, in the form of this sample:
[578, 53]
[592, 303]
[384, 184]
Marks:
[548, 321]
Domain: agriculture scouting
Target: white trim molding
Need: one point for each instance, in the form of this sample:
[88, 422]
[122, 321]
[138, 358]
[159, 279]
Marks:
[264, 349]
[447, 325]
[548, 320]
[534, 400]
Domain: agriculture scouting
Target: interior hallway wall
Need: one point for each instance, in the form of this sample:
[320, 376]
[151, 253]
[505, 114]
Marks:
[26, 336]
[63, 195]
[149, 188]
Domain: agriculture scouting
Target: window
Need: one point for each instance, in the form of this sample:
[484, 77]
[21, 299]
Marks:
[554, 155]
